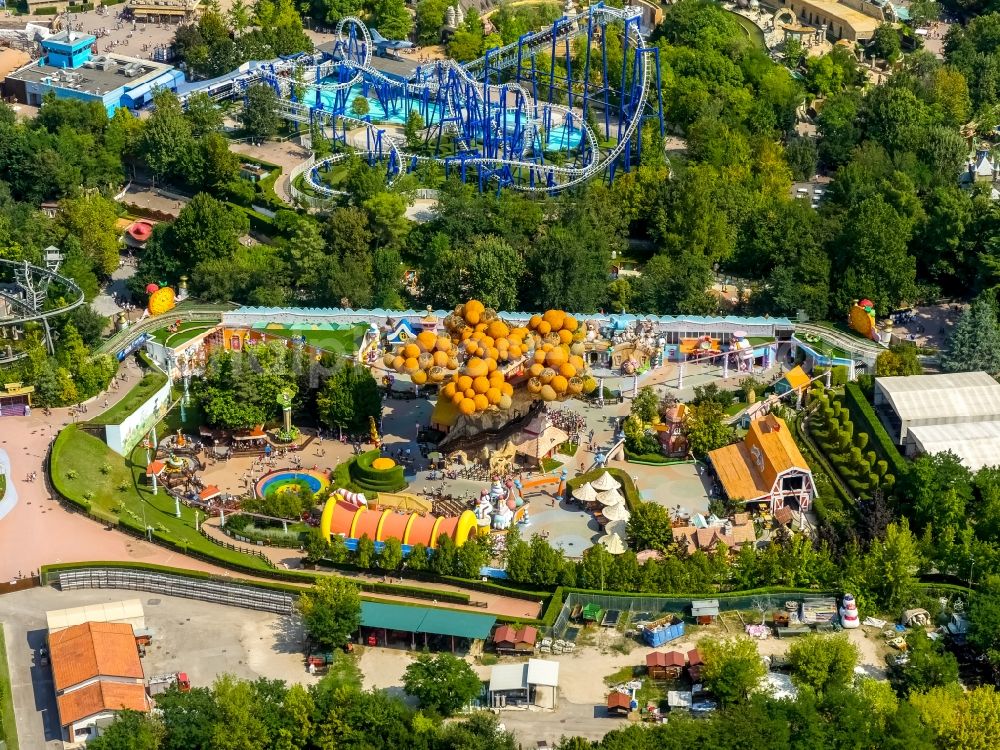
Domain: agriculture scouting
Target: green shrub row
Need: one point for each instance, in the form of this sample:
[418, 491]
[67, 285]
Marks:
[649, 459]
[45, 11]
[863, 413]
[303, 579]
[831, 427]
[258, 221]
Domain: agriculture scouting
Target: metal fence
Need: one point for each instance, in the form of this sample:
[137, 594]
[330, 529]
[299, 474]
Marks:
[231, 594]
[661, 605]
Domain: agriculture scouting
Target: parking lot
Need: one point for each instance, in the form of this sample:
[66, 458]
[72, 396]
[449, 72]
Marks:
[202, 639]
[812, 191]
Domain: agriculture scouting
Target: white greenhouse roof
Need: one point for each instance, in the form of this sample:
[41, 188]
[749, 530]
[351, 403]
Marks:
[543, 672]
[977, 444]
[959, 395]
[505, 677]
[127, 611]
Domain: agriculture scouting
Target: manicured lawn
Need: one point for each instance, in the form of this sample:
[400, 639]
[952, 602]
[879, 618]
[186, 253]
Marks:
[735, 408]
[345, 340]
[79, 461]
[185, 332]
[8, 730]
[151, 382]
[550, 464]
[568, 449]
[760, 340]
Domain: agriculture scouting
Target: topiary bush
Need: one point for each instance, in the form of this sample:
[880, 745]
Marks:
[369, 479]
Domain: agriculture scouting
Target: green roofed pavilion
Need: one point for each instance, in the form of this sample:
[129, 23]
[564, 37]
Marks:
[458, 624]
[391, 616]
[427, 620]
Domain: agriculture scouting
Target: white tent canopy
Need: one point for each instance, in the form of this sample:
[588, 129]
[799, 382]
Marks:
[606, 482]
[617, 527]
[613, 544]
[610, 497]
[585, 493]
[616, 512]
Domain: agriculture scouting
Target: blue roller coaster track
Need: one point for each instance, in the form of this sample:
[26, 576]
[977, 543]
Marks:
[541, 114]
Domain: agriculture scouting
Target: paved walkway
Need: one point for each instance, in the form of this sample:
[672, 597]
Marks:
[37, 531]
[285, 154]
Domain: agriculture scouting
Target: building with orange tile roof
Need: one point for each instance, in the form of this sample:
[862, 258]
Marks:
[96, 672]
[766, 467]
[733, 533]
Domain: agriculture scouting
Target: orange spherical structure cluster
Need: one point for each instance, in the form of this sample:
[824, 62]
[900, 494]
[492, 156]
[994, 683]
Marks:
[426, 359]
[479, 351]
[558, 367]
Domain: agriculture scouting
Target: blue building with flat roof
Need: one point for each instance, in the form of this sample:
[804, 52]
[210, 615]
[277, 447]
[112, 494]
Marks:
[71, 70]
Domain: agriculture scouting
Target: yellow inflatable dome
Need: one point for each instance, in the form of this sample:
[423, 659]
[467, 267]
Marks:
[161, 301]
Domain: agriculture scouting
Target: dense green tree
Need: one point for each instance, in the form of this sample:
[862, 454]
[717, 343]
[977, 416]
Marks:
[894, 562]
[872, 253]
[898, 360]
[391, 18]
[130, 730]
[443, 683]
[188, 717]
[928, 665]
[938, 490]
[349, 397]
[885, 44]
[733, 669]
[205, 230]
[975, 342]
[167, 142]
[649, 527]
[92, 220]
[429, 20]
[984, 619]
[331, 611]
[823, 662]
[259, 116]
[705, 429]
[203, 114]
[839, 128]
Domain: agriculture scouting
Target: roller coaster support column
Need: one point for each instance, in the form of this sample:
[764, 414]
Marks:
[586, 64]
[569, 74]
[552, 59]
[604, 79]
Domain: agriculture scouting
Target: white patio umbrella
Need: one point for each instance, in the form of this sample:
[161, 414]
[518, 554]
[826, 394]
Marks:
[610, 497]
[613, 544]
[617, 527]
[585, 493]
[616, 513]
[606, 482]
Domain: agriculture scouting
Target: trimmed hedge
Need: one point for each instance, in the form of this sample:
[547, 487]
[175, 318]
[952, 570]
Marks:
[649, 459]
[373, 480]
[45, 11]
[864, 415]
[305, 579]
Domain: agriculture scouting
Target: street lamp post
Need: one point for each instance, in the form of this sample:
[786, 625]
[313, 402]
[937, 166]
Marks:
[972, 563]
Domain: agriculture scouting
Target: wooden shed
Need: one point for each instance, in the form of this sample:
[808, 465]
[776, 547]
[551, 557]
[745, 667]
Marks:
[665, 665]
[619, 703]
